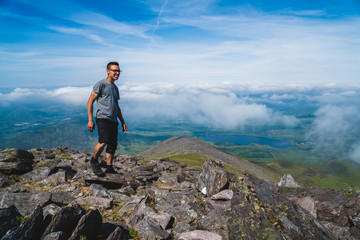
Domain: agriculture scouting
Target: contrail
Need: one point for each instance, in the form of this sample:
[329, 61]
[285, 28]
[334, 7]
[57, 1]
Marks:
[158, 18]
[157, 21]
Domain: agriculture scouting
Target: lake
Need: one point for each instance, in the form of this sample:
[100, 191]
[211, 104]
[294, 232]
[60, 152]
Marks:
[246, 140]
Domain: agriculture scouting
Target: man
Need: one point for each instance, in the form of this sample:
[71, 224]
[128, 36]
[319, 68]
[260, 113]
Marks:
[106, 93]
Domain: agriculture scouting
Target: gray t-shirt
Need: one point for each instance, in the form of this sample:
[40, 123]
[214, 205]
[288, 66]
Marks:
[107, 101]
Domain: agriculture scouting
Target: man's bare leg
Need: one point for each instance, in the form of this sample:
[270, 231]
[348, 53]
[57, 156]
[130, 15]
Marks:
[98, 150]
[109, 161]
[109, 158]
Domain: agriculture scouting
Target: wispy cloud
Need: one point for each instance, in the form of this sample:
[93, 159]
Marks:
[190, 41]
[81, 32]
[103, 22]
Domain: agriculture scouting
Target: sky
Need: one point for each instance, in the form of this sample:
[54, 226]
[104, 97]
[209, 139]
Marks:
[221, 63]
[68, 43]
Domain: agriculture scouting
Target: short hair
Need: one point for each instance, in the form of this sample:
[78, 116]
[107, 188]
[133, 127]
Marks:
[112, 63]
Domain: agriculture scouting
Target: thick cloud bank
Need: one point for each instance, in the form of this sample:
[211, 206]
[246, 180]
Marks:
[218, 106]
[333, 111]
[336, 127]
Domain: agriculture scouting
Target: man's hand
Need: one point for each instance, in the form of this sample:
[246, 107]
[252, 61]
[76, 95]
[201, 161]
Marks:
[124, 127]
[91, 126]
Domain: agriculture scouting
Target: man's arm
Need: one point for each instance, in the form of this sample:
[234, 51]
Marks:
[119, 115]
[90, 107]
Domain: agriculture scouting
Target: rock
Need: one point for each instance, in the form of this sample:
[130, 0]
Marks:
[223, 195]
[259, 211]
[165, 220]
[183, 212]
[25, 202]
[331, 206]
[100, 191]
[212, 179]
[56, 178]
[173, 204]
[356, 222]
[88, 225]
[144, 219]
[61, 198]
[31, 228]
[308, 204]
[114, 181]
[340, 232]
[212, 204]
[168, 179]
[15, 161]
[9, 218]
[56, 236]
[109, 228]
[37, 174]
[95, 202]
[216, 221]
[355, 232]
[51, 209]
[288, 181]
[149, 229]
[140, 212]
[198, 235]
[182, 227]
[332, 211]
[130, 206]
[65, 220]
[119, 234]
[6, 180]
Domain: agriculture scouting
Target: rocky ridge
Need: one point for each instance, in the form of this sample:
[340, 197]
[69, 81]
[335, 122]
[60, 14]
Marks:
[58, 197]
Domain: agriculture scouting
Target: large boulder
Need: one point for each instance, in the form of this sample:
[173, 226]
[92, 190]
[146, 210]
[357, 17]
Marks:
[88, 226]
[288, 181]
[15, 161]
[9, 218]
[259, 211]
[213, 178]
[25, 202]
[31, 228]
[65, 220]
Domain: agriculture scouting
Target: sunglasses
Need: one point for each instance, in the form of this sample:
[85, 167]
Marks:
[115, 70]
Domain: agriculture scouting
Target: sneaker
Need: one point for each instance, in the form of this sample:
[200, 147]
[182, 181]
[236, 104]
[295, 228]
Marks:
[95, 168]
[110, 169]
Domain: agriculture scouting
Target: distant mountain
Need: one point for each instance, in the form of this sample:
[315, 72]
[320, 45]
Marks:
[193, 151]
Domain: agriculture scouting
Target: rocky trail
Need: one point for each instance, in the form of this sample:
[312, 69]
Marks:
[52, 194]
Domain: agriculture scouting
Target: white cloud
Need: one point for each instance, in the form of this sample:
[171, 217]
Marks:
[211, 104]
[354, 153]
[81, 32]
[334, 129]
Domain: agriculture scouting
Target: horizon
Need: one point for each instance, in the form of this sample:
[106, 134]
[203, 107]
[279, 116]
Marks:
[69, 43]
[327, 115]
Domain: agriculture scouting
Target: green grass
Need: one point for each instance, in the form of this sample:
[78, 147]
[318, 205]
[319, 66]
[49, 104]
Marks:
[191, 160]
[333, 174]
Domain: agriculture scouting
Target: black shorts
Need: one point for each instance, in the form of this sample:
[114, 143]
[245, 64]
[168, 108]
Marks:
[108, 132]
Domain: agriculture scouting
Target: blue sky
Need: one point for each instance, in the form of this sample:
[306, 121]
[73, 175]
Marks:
[69, 42]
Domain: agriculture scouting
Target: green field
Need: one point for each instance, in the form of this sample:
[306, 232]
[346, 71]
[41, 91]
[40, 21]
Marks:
[301, 164]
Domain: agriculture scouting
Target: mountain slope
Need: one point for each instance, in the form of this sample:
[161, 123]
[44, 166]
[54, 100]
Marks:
[193, 151]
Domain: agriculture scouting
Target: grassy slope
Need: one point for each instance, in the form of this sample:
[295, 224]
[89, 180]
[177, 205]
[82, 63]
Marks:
[300, 163]
[193, 152]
